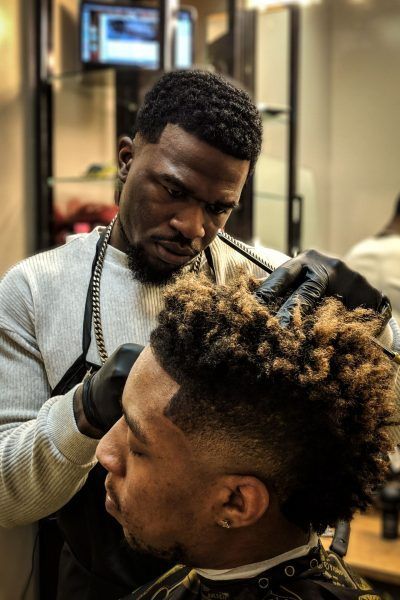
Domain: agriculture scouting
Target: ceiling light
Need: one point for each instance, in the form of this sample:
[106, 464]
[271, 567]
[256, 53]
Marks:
[265, 4]
[5, 27]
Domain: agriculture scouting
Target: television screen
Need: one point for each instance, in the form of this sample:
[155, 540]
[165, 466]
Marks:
[129, 35]
[120, 35]
[184, 38]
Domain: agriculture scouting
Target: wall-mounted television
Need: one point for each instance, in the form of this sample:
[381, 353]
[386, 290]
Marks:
[123, 35]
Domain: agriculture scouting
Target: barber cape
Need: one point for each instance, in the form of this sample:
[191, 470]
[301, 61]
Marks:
[319, 575]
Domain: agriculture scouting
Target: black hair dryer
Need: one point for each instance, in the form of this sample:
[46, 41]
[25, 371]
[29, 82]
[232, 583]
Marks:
[390, 503]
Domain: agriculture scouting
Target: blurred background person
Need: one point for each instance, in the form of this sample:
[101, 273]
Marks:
[378, 259]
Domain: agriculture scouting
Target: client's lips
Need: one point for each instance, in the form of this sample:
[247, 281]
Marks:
[110, 502]
[172, 253]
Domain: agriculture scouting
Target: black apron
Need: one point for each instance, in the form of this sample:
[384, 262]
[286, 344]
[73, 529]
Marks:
[83, 552]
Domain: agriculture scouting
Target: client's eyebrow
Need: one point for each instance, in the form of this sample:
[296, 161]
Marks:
[136, 428]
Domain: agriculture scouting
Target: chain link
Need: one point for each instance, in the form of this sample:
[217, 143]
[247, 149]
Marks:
[98, 329]
[195, 267]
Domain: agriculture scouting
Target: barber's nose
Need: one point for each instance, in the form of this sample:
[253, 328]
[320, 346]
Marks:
[110, 450]
[189, 221]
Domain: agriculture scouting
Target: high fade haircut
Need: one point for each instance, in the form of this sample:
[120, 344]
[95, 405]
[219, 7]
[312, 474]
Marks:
[207, 106]
[303, 408]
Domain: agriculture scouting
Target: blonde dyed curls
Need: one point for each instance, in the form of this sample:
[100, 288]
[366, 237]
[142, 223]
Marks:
[305, 408]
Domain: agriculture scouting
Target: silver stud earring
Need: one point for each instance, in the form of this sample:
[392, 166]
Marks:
[225, 524]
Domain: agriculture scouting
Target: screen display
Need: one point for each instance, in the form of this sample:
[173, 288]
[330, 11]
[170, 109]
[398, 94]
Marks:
[120, 35]
[183, 50]
[129, 35]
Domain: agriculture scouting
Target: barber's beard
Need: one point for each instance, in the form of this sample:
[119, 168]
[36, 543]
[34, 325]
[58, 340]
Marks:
[143, 271]
[140, 266]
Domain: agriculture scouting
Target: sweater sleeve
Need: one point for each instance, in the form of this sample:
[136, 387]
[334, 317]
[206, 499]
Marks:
[44, 459]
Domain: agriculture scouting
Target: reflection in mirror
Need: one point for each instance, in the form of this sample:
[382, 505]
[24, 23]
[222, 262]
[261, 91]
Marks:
[348, 120]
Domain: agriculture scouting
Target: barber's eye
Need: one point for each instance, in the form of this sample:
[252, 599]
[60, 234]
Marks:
[218, 209]
[175, 193]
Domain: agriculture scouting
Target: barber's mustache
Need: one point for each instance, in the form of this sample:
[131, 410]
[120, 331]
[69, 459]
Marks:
[193, 245]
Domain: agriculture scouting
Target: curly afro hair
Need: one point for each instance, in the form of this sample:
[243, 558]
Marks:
[207, 106]
[304, 408]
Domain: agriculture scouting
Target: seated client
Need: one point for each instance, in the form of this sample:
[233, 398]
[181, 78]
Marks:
[242, 440]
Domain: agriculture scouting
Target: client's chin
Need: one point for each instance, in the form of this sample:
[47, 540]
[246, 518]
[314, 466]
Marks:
[174, 554]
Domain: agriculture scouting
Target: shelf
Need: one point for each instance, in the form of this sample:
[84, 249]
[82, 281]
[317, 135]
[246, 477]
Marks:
[52, 181]
[274, 114]
[269, 196]
[95, 77]
[272, 111]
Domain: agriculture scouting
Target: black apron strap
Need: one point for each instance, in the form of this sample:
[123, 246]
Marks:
[79, 368]
[51, 540]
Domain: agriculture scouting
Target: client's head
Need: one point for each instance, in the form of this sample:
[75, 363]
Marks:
[239, 435]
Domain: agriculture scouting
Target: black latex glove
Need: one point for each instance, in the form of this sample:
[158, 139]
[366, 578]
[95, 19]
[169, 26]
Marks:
[102, 392]
[311, 276]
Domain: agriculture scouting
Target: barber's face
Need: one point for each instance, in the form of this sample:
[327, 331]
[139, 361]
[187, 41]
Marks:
[157, 488]
[179, 192]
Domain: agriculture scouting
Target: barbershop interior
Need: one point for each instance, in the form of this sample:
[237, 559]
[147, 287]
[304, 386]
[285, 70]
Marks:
[318, 184]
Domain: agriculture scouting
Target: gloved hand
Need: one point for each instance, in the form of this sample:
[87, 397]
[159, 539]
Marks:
[102, 391]
[311, 276]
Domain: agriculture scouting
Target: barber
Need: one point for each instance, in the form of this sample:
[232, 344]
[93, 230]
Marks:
[63, 313]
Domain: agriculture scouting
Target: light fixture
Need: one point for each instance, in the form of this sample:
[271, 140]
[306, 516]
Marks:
[4, 27]
[265, 4]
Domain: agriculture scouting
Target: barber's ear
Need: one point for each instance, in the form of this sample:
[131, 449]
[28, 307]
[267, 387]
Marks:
[243, 501]
[125, 155]
[125, 151]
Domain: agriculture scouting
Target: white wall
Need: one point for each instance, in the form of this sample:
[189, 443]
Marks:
[16, 226]
[365, 118]
[13, 238]
[271, 86]
[314, 125]
[349, 121]
[272, 80]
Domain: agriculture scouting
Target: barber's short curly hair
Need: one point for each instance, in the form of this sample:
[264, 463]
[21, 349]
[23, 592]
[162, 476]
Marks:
[304, 408]
[207, 106]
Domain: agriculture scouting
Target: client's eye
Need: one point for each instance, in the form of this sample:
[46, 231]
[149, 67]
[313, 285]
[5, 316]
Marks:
[135, 452]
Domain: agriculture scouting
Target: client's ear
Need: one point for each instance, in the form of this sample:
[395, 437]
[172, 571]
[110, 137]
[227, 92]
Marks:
[243, 501]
